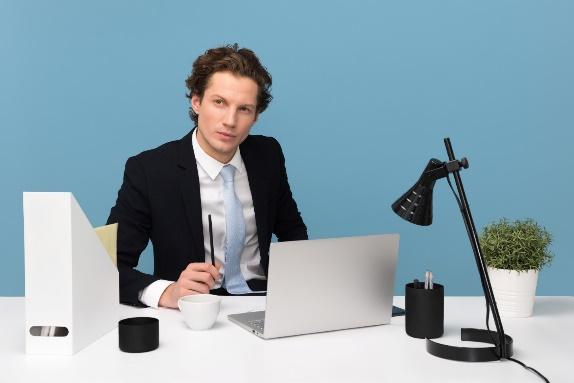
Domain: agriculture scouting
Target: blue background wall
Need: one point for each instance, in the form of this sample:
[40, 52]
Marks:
[364, 94]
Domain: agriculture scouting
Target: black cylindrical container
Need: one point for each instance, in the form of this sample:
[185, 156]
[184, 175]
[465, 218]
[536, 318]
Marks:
[424, 317]
[139, 334]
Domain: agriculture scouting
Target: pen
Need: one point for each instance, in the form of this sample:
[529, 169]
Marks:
[211, 240]
[430, 280]
[426, 280]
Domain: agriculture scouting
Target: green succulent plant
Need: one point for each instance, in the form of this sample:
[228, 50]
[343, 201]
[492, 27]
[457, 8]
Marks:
[519, 245]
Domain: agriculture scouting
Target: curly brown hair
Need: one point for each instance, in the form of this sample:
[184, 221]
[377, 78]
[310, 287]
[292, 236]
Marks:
[229, 58]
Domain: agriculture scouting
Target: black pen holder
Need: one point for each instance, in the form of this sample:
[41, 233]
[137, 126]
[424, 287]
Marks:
[424, 317]
[139, 334]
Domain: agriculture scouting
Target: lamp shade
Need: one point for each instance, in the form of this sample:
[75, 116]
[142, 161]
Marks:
[415, 205]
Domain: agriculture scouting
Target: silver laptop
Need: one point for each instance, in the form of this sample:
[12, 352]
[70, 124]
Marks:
[325, 285]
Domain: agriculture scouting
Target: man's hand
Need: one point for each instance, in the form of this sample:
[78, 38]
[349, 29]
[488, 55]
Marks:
[197, 278]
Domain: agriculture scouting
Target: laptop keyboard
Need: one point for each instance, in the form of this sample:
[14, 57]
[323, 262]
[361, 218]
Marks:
[257, 324]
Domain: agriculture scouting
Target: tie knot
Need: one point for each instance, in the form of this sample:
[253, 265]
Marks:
[227, 173]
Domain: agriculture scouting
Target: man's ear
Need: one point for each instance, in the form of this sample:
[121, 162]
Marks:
[195, 103]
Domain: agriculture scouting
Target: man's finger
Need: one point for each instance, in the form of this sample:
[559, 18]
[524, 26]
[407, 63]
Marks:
[198, 276]
[206, 278]
[192, 283]
[214, 271]
[207, 267]
[198, 266]
[199, 287]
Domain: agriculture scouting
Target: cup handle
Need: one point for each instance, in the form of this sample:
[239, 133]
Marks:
[179, 304]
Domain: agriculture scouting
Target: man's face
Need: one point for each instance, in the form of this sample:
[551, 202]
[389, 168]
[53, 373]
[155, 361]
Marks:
[225, 114]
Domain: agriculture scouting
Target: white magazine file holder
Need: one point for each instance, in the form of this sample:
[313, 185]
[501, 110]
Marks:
[72, 285]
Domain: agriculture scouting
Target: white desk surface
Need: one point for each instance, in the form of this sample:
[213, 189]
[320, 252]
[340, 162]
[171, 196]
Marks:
[228, 353]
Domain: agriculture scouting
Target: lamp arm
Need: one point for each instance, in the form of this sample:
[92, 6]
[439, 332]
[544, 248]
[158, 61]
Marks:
[480, 263]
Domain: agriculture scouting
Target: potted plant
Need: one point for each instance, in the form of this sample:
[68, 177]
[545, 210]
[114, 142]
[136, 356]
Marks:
[514, 253]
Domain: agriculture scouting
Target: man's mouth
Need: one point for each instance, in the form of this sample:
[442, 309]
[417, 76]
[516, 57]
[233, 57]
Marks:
[226, 135]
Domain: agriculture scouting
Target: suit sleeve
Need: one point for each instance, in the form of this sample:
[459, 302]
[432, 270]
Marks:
[132, 213]
[289, 225]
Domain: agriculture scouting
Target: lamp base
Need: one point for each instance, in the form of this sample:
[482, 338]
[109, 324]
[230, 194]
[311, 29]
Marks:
[471, 354]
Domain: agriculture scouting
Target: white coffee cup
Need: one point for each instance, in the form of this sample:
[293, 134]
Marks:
[199, 311]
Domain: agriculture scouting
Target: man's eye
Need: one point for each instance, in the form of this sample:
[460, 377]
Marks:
[219, 101]
[245, 109]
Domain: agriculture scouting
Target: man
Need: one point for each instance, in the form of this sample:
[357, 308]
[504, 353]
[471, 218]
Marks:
[216, 170]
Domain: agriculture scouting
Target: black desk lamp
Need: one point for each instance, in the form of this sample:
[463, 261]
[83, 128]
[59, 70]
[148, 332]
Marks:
[416, 206]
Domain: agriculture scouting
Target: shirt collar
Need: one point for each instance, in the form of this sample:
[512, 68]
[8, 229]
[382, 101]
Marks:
[211, 166]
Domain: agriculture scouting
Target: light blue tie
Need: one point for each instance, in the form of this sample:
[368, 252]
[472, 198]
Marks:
[234, 235]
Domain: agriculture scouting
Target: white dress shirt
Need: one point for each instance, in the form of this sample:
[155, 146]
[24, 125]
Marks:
[211, 192]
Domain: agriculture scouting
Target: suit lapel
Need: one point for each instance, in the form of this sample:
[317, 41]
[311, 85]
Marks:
[259, 185]
[189, 185]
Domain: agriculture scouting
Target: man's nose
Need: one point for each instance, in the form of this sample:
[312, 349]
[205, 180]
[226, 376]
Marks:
[230, 117]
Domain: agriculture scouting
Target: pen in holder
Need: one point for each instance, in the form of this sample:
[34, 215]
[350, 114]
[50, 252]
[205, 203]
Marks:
[424, 308]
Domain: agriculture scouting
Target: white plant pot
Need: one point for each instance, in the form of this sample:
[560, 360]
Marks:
[514, 291]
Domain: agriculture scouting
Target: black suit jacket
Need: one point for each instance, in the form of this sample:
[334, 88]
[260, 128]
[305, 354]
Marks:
[159, 200]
